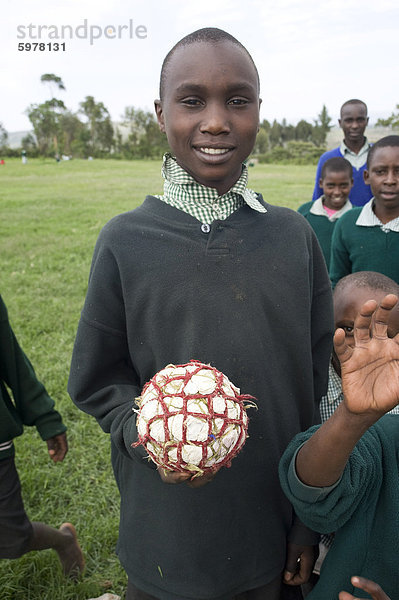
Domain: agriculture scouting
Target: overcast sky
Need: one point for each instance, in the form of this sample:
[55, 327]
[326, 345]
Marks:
[308, 54]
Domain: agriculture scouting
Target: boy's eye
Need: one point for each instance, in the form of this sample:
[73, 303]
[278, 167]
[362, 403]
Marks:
[238, 101]
[191, 101]
[348, 330]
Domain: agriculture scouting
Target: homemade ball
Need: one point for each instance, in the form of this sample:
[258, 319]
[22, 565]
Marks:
[191, 418]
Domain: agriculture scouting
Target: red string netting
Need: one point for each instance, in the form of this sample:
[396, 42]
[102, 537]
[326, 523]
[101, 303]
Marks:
[211, 453]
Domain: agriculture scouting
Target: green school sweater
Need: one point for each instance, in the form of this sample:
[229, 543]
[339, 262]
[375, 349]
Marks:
[164, 289]
[362, 508]
[30, 403]
[322, 227]
[358, 248]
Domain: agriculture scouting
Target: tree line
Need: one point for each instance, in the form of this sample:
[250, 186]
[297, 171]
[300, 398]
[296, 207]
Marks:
[90, 132]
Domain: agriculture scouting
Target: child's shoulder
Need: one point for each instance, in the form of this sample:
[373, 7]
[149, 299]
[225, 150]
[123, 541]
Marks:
[304, 209]
[330, 154]
[125, 222]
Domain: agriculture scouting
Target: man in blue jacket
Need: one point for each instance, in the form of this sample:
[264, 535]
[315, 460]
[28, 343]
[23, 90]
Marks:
[354, 148]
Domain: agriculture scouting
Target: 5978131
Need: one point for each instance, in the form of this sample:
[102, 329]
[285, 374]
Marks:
[41, 47]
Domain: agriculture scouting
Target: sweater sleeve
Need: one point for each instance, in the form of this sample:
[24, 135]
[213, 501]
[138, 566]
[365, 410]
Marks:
[340, 263]
[32, 403]
[327, 509]
[102, 380]
[317, 192]
[322, 323]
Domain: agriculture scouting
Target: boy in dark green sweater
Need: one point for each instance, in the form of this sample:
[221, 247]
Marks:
[343, 475]
[367, 239]
[29, 405]
[205, 272]
[336, 182]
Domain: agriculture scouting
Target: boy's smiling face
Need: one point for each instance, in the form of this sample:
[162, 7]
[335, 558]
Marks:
[336, 187]
[383, 177]
[210, 111]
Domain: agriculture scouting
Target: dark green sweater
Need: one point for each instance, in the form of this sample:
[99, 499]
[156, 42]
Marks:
[251, 297]
[30, 403]
[323, 228]
[362, 509]
[357, 248]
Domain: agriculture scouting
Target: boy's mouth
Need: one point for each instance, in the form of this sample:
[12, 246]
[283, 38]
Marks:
[214, 150]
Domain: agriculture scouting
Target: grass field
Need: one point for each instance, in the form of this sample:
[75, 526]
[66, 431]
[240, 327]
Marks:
[51, 214]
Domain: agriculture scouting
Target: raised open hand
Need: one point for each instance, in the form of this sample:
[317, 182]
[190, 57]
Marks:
[370, 370]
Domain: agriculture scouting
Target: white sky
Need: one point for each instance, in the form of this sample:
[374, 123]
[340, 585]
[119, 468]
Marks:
[308, 53]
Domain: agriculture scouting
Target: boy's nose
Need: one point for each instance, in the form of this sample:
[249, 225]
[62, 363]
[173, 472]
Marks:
[215, 120]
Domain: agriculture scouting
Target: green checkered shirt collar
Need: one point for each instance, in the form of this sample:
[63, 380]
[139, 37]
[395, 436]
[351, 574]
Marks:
[204, 203]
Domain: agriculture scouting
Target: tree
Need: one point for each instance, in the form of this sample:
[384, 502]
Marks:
[3, 137]
[303, 131]
[392, 121]
[275, 134]
[145, 139]
[261, 142]
[70, 128]
[53, 81]
[28, 143]
[99, 125]
[45, 119]
[321, 127]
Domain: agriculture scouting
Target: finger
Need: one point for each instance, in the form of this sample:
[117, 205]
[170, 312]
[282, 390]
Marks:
[197, 482]
[306, 565]
[346, 596]
[371, 587]
[342, 350]
[57, 447]
[379, 325]
[172, 477]
[362, 323]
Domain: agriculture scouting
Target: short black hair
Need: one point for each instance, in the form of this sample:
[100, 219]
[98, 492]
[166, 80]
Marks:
[210, 35]
[389, 140]
[336, 164]
[368, 279]
[354, 101]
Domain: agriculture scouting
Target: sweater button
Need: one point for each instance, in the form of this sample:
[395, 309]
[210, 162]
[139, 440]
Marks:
[205, 228]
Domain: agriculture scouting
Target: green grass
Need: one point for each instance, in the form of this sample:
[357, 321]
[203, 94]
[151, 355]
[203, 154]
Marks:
[51, 214]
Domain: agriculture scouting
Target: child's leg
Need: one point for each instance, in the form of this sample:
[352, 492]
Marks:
[63, 540]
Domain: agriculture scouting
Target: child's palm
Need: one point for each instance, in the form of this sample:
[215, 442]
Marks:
[370, 371]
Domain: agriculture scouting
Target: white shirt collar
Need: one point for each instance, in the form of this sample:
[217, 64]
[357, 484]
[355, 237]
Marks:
[368, 218]
[318, 209]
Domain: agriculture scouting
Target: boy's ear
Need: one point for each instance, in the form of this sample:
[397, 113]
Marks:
[321, 182]
[366, 177]
[159, 113]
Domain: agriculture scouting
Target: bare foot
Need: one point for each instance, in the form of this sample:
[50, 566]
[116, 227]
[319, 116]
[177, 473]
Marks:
[71, 555]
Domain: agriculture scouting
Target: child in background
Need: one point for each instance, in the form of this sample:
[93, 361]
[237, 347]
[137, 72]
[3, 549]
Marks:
[336, 181]
[205, 272]
[343, 475]
[30, 405]
[367, 239]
